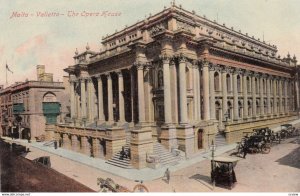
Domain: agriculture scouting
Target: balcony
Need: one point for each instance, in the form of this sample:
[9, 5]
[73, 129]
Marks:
[18, 108]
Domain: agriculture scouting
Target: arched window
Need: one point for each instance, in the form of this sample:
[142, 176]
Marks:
[257, 107]
[160, 79]
[240, 109]
[229, 110]
[257, 85]
[218, 110]
[271, 86]
[228, 83]
[49, 97]
[265, 107]
[248, 85]
[239, 84]
[188, 78]
[271, 105]
[217, 81]
[265, 86]
[249, 108]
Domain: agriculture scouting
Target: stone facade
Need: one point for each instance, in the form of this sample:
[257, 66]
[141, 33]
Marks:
[6, 111]
[28, 108]
[179, 79]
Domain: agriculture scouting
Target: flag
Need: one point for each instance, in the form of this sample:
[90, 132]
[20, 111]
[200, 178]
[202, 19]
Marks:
[7, 68]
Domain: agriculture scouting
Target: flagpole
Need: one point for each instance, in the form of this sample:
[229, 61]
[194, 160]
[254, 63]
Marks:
[6, 71]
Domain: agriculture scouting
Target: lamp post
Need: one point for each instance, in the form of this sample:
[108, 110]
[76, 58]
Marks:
[226, 115]
[213, 148]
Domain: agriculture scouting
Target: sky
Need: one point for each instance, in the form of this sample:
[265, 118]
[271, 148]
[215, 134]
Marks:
[51, 41]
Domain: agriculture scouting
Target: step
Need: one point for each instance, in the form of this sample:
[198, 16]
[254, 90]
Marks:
[121, 162]
[119, 165]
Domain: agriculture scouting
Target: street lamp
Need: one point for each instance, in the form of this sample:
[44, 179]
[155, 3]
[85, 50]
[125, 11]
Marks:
[213, 149]
[226, 116]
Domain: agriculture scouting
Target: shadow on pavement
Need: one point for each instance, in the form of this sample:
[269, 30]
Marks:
[205, 180]
[292, 159]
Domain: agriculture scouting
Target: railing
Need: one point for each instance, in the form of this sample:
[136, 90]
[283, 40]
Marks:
[81, 131]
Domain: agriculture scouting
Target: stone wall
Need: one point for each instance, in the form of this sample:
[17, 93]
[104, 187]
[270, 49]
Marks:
[234, 133]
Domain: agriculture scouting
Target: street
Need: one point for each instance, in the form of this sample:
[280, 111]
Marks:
[278, 171]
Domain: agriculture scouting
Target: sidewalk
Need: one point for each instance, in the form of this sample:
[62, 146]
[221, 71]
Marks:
[146, 174]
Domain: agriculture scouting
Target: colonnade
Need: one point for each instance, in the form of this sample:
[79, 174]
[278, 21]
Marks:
[239, 93]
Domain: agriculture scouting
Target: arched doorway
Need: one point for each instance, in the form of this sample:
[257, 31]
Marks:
[25, 133]
[102, 148]
[200, 138]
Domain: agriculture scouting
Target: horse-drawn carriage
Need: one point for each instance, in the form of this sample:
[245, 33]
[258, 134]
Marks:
[288, 130]
[109, 185]
[222, 173]
[259, 141]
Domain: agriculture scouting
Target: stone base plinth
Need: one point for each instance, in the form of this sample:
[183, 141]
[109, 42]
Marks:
[85, 146]
[168, 136]
[75, 143]
[115, 139]
[50, 135]
[66, 142]
[186, 139]
[141, 144]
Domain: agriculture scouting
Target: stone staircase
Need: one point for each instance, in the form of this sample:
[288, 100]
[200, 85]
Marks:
[220, 140]
[166, 157]
[116, 159]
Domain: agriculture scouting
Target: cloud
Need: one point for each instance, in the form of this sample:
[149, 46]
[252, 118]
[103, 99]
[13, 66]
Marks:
[31, 44]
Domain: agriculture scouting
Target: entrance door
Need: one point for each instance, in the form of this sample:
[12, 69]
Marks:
[200, 139]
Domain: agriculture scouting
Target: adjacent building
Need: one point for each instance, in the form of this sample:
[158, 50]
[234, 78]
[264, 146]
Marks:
[6, 117]
[30, 109]
[177, 79]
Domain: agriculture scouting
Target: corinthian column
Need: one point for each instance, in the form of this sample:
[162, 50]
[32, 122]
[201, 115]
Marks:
[100, 100]
[110, 98]
[206, 90]
[269, 95]
[254, 96]
[245, 94]
[174, 94]
[235, 96]
[167, 90]
[261, 94]
[141, 97]
[286, 96]
[224, 91]
[182, 90]
[212, 91]
[90, 100]
[280, 96]
[72, 98]
[121, 97]
[275, 96]
[83, 98]
[195, 91]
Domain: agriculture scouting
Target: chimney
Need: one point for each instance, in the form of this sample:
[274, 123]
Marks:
[40, 70]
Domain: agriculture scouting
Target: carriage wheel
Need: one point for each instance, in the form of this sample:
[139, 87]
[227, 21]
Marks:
[266, 150]
[140, 188]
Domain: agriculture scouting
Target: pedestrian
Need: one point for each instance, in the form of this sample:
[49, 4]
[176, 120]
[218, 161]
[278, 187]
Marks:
[245, 149]
[167, 175]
